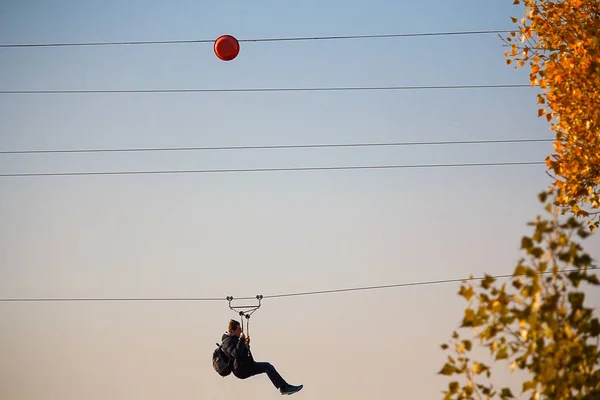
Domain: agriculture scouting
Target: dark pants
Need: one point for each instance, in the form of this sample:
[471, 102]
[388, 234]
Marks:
[257, 368]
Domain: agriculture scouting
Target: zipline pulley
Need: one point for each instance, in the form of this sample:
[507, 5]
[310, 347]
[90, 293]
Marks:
[245, 311]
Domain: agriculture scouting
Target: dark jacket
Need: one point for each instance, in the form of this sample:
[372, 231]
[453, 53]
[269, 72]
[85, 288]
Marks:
[237, 349]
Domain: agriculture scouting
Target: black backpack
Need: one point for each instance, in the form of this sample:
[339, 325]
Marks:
[221, 363]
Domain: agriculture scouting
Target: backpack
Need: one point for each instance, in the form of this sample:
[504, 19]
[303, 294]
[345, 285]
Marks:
[221, 363]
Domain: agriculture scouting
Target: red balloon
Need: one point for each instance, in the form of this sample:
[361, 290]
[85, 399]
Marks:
[227, 47]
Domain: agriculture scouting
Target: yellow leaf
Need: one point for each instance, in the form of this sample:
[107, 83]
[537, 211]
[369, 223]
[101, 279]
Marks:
[523, 334]
[558, 147]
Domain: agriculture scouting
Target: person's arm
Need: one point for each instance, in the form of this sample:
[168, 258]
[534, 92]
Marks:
[239, 349]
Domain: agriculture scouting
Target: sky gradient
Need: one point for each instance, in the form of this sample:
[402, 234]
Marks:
[242, 234]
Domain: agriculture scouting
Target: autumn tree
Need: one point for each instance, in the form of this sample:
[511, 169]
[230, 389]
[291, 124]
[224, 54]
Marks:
[538, 322]
[560, 43]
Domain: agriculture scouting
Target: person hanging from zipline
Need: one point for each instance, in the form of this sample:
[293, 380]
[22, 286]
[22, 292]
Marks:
[235, 345]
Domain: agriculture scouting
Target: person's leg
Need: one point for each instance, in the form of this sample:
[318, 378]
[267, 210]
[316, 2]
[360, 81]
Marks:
[265, 367]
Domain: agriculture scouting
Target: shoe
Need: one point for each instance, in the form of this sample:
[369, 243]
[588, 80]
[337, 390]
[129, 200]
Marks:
[290, 389]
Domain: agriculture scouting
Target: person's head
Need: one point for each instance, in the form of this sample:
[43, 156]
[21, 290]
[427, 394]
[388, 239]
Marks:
[234, 327]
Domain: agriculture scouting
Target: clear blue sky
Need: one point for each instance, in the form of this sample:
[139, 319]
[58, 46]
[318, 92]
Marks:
[249, 233]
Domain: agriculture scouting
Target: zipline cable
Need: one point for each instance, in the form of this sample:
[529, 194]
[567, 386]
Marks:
[239, 170]
[283, 146]
[281, 89]
[280, 39]
[273, 296]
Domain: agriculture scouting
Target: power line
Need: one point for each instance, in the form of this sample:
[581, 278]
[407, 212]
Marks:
[205, 171]
[290, 146]
[273, 296]
[422, 283]
[280, 39]
[289, 89]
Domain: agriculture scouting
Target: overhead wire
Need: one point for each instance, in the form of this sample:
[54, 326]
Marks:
[278, 39]
[276, 169]
[281, 146]
[280, 89]
[438, 87]
[280, 295]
